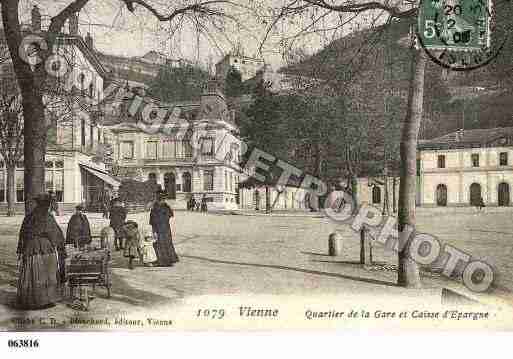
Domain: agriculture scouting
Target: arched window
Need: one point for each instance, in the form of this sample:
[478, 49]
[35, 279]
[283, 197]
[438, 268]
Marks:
[475, 194]
[503, 194]
[441, 195]
[376, 195]
[187, 182]
[170, 185]
[152, 177]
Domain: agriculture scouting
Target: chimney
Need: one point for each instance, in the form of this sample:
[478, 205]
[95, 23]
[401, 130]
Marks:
[73, 24]
[89, 41]
[36, 19]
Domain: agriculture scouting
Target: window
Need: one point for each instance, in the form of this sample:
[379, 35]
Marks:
[503, 159]
[20, 195]
[231, 182]
[83, 132]
[475, 160]
[225, 180]
[376, 195]
[91, 135]
[187, 149]
[91, 90]
[58, 180]
[168, 149]
[207, 146]
[441, 161]
[49, 181]
[208, 180]
[187, 182]
[152, 177]
[151, 149]
[2, 185]
[99, 134]
[127, 150]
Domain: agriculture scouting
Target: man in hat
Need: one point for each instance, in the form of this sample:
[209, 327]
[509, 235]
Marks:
[117, 220]
[41, 255]
[79, 230]
[160, 216]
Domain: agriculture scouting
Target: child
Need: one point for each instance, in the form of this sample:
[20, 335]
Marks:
[149, 256]
[133, 242]
[148, 252]
[107, 237]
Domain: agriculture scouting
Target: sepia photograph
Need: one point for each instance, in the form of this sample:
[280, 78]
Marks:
[255, 165]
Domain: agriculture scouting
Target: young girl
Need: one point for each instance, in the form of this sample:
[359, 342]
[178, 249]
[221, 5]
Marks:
[148, 239]
[133, 242]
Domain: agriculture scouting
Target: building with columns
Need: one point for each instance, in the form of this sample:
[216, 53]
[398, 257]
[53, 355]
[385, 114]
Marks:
[462, 167]
[195, 154]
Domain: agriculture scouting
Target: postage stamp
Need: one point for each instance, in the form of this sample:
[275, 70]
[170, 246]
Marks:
[219, 165]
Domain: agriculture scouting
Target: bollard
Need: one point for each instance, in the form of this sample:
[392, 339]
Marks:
[335, 244]
[365, 248]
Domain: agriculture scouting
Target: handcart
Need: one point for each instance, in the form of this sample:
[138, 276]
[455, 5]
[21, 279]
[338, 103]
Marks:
[89, 267]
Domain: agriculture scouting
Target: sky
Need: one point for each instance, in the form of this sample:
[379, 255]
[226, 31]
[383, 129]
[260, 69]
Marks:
[117, 31]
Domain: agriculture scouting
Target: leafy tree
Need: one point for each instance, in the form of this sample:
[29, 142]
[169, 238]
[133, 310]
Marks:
[233, 83]
[183, 83]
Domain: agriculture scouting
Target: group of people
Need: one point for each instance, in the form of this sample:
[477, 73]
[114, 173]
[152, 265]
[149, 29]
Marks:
[193, 205]
[42, 246]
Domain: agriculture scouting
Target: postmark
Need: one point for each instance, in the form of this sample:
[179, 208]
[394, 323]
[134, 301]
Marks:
[462, 35]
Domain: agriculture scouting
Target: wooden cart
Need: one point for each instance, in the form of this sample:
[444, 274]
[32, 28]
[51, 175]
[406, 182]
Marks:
[89, 268]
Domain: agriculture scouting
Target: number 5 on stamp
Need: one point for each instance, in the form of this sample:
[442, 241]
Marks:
[458, 25]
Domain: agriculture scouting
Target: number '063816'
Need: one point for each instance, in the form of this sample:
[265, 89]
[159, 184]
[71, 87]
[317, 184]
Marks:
[23, 343]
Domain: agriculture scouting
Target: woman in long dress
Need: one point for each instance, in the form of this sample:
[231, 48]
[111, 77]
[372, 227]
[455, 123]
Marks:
[41, 253]
[160, 215]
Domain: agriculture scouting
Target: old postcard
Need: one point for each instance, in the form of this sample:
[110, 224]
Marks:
[255, 165]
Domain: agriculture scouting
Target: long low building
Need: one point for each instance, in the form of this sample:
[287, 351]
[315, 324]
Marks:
[467, 166]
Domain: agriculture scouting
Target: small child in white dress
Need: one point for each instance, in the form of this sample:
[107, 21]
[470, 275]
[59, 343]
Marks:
[148, 238]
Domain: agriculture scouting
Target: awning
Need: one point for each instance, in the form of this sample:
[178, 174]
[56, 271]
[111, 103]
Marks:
[103, 176]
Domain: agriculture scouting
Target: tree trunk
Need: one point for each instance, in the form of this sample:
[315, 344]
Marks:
[11, 189]
[408, 271]
[30, 83]
[267, 200]
[276, 199]
[34, 133]
[394, 204]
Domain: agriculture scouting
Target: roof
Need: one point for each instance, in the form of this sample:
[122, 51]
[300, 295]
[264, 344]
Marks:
[475, 138]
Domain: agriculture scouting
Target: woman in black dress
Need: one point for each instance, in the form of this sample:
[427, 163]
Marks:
[160, 215]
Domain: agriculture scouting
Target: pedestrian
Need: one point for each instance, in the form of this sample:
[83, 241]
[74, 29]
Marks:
[160, 217]
[107, 237]
[105, 206]
[79, 230]
[132, 248]
[481, 203]
[41, 255]
[54, 206]
[148, 238]
[117, 219]
[257, 200]
[204, 203]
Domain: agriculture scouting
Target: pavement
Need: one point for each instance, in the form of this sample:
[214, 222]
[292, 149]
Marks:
[250, 256]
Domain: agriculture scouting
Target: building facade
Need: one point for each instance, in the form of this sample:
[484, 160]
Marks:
[74, 171]
[196, 155]
[247, 66]
[464, 167]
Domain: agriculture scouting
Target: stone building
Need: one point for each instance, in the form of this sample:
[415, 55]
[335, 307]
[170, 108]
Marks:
[462, 167]
[196, 154]
[74, 170]
[247, 66]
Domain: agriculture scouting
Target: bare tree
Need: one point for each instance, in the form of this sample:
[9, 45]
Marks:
[315, 10]
[31, 79]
